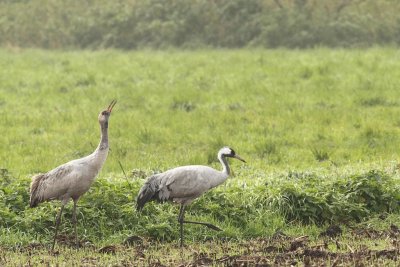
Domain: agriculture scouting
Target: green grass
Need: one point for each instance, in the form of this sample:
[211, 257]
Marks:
[318, 128]
[280, 109]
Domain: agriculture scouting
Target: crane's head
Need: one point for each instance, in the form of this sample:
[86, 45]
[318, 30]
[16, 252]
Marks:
[105, 114]
[229, 152]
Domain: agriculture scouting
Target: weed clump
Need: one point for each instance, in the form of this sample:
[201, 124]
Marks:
[317, 200]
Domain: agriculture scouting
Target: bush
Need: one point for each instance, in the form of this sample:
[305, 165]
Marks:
[131, 24]
[312, 199]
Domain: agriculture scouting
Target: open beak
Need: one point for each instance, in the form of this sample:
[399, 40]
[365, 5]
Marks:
[239, 158]
[112, 104]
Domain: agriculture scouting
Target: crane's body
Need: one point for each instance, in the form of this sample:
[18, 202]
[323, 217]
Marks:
[72, 179]
[184, 184]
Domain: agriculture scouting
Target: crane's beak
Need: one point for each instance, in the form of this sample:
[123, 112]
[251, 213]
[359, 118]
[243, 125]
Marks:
[112, 104]
[239, 158]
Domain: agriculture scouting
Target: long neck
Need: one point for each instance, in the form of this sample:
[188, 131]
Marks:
[99, 156]
[103, 145]
[225, 166]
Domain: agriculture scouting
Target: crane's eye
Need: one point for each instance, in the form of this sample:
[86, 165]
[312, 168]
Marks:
[104, 113]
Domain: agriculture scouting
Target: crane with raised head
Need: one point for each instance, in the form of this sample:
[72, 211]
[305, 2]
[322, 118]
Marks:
[184, 184]
[72, 179]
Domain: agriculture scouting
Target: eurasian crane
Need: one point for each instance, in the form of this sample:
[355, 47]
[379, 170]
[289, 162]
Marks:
[72, 179]
[184, 184]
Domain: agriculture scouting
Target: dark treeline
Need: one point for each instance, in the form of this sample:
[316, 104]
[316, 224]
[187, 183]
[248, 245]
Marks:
[132, 24]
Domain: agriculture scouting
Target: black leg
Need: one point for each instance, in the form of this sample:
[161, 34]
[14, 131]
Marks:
[74, 220]
[58, 219]
[180, 220]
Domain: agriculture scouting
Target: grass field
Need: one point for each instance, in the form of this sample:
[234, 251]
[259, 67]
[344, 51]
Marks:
[318, 128]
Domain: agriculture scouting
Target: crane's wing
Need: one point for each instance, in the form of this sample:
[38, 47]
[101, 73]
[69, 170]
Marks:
[148, 191]
[181, 184]
[50, 185]
[188, 181]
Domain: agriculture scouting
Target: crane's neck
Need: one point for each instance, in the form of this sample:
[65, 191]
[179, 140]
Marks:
[225, 166]
[103, 145]
[96, 160]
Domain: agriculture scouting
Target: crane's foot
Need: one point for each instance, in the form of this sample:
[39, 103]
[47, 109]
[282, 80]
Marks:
[212, 226]
[209, 225]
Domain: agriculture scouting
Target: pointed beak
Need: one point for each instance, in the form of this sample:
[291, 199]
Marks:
[112, 104]
[239, 158]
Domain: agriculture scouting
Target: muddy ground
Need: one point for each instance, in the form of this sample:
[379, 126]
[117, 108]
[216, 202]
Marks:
[358, 247]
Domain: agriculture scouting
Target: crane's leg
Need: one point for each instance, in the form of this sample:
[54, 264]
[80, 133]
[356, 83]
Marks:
[74, 221]
[58, 219]
[180, 220]
[209, 225]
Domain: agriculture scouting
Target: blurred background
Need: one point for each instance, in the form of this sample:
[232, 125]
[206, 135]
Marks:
[133, 24]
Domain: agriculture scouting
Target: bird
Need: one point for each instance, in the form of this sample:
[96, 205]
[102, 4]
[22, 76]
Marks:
[184, 184]
[72, 179]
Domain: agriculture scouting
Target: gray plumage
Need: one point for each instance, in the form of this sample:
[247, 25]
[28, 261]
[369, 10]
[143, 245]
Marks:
[181, 185]
[184, 184]
[72, 179]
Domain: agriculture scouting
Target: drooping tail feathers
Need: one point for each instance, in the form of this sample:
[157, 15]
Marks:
[35, 194]
[148, 192]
